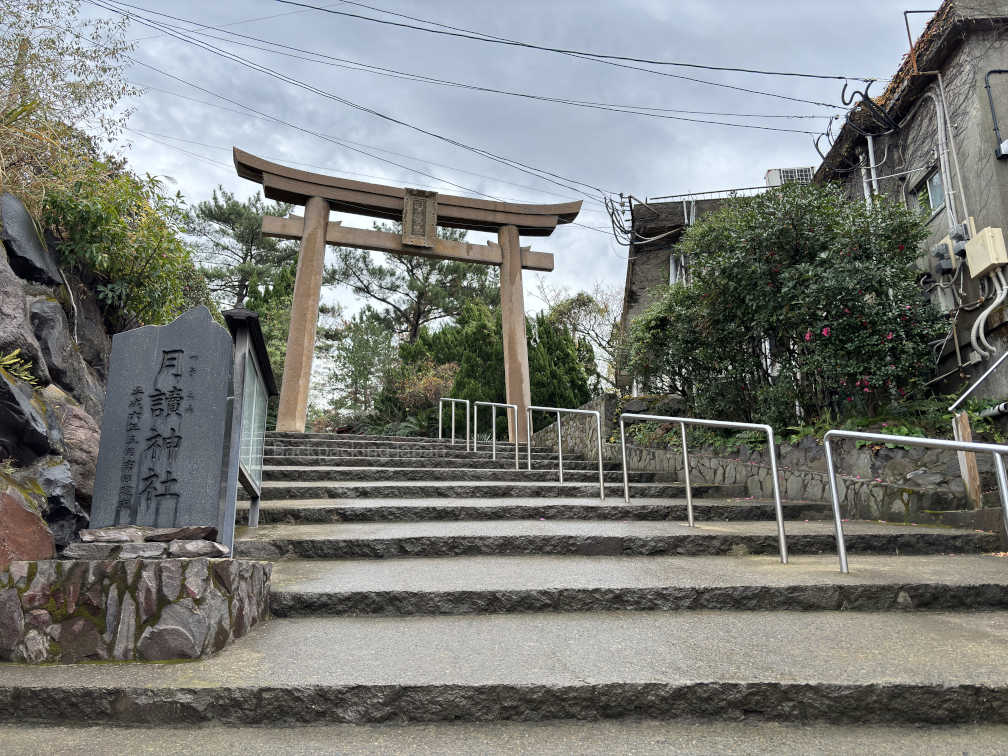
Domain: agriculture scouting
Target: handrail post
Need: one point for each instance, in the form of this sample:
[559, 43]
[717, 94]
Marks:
[1002, 489]
[440, 410]
[601, 475]
[781, 540]
[838, 524]
[453, 422]
[517, 463]
[560, 448]
[626, 478]
[467, 424]
[493, 432]
[475, 415]
[528, 436]
[689, 491]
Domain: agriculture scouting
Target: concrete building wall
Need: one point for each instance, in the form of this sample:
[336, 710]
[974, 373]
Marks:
[974, 46]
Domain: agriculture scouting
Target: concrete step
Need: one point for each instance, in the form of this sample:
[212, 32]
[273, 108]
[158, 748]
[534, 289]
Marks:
[836, 667]
[475, 489]
[650, 737]
[475, 585]
[442, 473]
[406, 510]
[473, 461]
[384, 452]
[403, 443]
[589, 538]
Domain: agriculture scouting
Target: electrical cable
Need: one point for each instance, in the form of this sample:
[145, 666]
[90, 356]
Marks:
[355, 65]
[340, 140]
[515, 164]
[481, 37]
[665, 73]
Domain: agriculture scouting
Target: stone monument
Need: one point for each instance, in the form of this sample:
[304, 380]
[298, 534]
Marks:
[165, 446]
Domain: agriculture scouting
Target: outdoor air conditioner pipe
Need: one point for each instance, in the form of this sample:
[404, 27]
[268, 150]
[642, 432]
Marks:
[996, 411]
[943, 166]
[978, 335]
[973, 334]
[864, 182]
[871, 163]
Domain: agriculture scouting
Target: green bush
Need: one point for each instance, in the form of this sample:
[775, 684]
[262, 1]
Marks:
[124, 232]
[802, 306]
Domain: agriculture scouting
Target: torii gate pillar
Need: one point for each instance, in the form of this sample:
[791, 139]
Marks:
[303, 319]
[516, 364]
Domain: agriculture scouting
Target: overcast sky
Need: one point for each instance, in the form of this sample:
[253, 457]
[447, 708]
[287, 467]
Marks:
[616, 152]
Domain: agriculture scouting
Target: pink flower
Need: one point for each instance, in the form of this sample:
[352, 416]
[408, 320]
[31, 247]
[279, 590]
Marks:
[846, 310]
[808, 335]
[867, 389]
[889, 336]
[825, 331]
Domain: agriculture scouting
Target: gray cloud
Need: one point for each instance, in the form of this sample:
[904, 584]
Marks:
[617, 152]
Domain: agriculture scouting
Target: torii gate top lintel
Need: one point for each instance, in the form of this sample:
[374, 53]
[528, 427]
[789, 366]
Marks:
[285, 184]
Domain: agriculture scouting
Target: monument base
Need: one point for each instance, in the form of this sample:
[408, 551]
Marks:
[128, 609]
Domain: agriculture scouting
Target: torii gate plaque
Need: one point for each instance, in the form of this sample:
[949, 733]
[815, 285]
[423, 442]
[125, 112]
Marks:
[420, 213]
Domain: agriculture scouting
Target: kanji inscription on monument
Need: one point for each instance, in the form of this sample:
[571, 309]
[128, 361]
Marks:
[166, 429]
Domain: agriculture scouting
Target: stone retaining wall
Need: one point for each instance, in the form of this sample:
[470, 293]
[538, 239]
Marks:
[129, 609]
[902, 485]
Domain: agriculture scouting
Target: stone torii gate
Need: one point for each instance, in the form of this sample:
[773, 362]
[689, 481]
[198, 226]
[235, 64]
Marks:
[420, 212]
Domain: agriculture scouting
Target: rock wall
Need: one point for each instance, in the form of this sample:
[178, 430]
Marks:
[128, 609]
[48, 432]
[898, 485]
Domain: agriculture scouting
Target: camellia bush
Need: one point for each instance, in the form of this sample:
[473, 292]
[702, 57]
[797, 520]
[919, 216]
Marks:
[802, 306]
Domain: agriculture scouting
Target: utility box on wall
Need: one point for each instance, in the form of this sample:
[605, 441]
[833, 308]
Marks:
[986, 251]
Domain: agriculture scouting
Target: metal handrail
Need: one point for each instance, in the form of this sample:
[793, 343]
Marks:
[493, 425]
[559, 410]
[978, 381]
[935, 443]
[683, 422]
[453, 402]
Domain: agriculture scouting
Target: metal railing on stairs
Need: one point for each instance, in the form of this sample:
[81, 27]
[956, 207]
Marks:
[560, 411]
[440, 424]
[933, 443]
[493, 426]
[683, 422]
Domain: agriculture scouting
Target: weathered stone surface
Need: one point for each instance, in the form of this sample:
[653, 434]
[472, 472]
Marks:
[62, 512]
[80, 439]
[80, 640]
[35, 648]
[109, 609]
[179, 634]
[90, 550]
[11, 621]
[188, 533]
[27, 253]
[114, 534]
[147, 594]
[171, 579]
[142, 550]
[63, 359]
[125, 638]
[165, 427]
[24, 427]
[15, 328]
[190, 549]
[23, 534]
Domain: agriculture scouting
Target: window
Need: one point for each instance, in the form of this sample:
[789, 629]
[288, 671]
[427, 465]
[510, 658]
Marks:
[931, 194]
[796, 175]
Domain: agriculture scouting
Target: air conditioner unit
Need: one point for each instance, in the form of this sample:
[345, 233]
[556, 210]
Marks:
[781, 176]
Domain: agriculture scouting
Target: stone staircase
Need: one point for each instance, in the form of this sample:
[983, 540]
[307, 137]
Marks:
[417, 581]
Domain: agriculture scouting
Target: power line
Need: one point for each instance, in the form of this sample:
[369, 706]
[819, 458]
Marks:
[482, 37]
[517, 165]
[617, 63]
[355, 65]
[345, 142]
